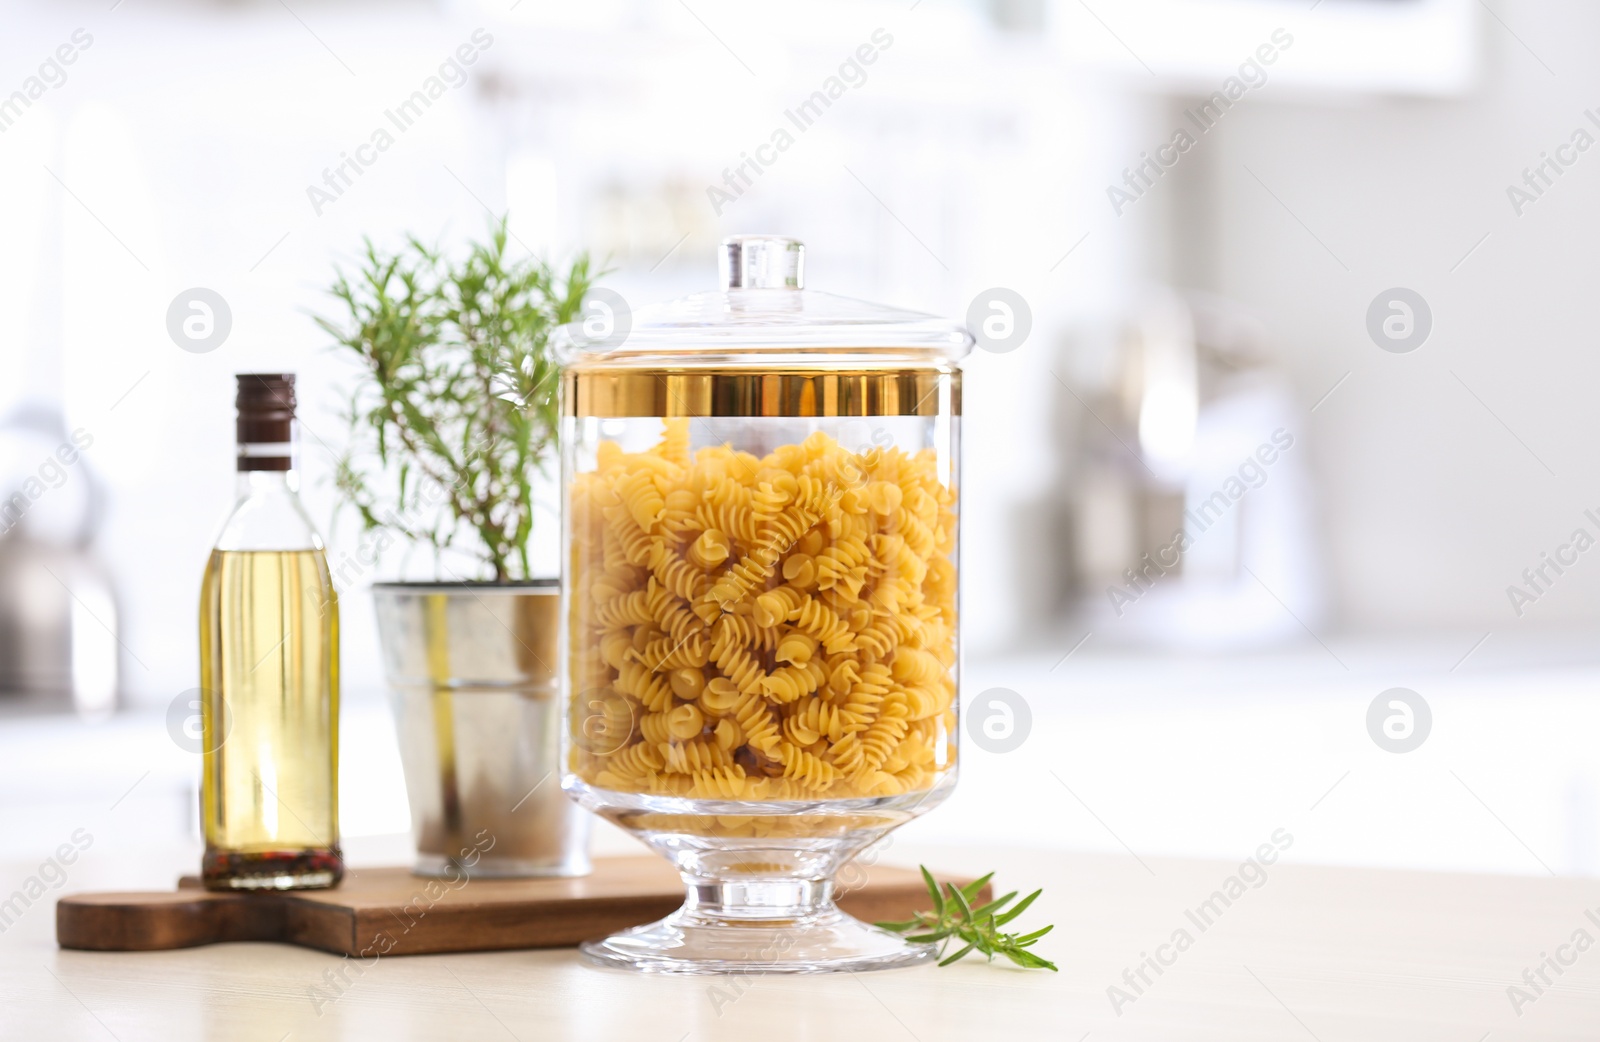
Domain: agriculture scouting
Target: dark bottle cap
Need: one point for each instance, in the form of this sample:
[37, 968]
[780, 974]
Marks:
[265, 426]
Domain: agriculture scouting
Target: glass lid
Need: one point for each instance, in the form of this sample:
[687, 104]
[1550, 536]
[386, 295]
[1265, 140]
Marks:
[762, 316]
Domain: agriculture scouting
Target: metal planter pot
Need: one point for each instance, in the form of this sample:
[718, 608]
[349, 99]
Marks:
[472, 678]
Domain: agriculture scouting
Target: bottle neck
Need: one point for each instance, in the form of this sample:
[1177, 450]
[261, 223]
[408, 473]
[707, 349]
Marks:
[268, 515]
[259, 483]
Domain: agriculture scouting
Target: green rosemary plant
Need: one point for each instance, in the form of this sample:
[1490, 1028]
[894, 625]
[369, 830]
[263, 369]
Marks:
[456, 407]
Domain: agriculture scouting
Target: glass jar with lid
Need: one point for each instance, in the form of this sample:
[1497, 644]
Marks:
[760, 641]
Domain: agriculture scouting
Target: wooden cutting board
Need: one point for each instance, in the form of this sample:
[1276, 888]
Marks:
[391, 911]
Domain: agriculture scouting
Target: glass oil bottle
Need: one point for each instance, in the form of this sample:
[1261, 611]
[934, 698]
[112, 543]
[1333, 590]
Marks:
[269, 670]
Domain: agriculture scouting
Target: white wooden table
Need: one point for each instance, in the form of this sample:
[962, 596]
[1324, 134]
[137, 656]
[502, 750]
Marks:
[1323, 954]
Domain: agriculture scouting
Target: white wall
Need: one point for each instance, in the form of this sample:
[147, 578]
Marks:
[1433, 504]
[191, 132]
[187, 134]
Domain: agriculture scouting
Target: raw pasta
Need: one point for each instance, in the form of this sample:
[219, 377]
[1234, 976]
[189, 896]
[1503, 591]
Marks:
[762, 628]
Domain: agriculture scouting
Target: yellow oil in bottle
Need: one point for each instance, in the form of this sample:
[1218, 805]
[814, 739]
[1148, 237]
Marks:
[269, 672]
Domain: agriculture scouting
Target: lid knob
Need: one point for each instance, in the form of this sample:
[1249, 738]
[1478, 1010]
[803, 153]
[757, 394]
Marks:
[761, 262]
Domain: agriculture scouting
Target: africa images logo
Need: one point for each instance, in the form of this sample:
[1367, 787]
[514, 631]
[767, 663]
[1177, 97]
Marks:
[1140, 178]
[52, 73]
[852, 73]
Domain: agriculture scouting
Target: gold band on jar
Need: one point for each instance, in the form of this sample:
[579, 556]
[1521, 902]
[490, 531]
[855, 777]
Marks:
[609, 393]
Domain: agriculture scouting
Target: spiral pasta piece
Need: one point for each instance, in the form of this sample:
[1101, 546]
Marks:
[736, 663]
[818, 620]
[653, 726]
[804, 768]
[687, 683]
[690, 757]
[674, 445]
[685, 721]
[742, 629]
[636, 761]
[814, 719]
[651, 689]
[665, 654]
[681, 577]
[643, 500]
[775, 606]
[709, 549]
[718, 783]
[796, 649]
[788, 683]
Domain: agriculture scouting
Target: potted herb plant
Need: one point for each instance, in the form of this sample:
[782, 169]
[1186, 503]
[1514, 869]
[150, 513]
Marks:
[452, 423]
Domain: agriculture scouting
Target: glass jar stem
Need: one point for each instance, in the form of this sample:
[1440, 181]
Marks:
[757, 899]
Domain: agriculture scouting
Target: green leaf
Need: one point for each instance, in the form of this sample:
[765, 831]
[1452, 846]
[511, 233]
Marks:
[960, 900]
[970, 891]
[933, 890]
[994, 906]
[956, 957]
[1028, 960]
[1021, 906]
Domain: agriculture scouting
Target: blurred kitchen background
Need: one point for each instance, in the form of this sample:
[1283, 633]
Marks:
[1238, 226]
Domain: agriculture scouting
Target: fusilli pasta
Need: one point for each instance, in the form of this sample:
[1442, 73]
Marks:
[777, 628]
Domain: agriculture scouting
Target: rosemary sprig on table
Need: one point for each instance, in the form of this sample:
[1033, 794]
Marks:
[978, 928]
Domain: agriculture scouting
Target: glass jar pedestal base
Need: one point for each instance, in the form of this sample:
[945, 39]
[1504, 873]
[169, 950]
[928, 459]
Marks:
[757, 927]
[760, 881]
